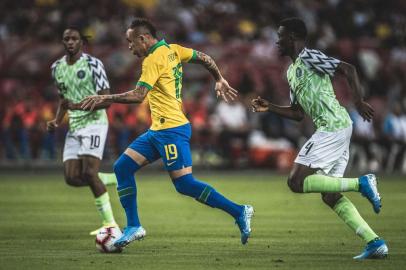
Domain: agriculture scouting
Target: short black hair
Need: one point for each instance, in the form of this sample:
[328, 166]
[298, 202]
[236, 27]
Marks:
[142, 22]
[296, 26]
[83, 37]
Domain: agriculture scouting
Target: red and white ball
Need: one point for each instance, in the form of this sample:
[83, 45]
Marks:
[105, 239]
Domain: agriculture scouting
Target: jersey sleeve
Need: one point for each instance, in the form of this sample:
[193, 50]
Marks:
[53, 73]
[185, 54]
[98, 73]
[319, 62]
[151, 71]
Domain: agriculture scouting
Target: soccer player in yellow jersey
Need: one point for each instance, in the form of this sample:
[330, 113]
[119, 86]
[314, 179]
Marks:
[169, 136]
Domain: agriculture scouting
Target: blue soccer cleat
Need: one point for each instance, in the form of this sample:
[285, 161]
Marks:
[244, 223]
[376, 249]
[368, 188]
[130, 234]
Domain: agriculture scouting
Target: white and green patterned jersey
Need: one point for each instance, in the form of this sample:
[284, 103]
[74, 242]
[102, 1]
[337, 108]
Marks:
[75, 82]
[311, 88]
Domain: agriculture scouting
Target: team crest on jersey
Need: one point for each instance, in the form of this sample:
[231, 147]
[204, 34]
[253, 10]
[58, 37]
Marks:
[81, 74]
[299, 72]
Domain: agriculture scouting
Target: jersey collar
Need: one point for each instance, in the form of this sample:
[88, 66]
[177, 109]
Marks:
[160, 43]
[80, 58]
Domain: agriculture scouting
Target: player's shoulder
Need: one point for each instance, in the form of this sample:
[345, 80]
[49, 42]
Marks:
[57, 62]
[92, 60]
[313, 54]
[310, 51]
[174, 46]
[318, 61]
[157, 53]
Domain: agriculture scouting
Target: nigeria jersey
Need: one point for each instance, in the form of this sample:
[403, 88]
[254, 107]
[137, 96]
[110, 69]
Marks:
[75, 82]
[311, 88]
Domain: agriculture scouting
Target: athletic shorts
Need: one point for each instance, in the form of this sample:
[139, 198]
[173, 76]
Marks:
[327, 151]
[89, 141]
[172, 145]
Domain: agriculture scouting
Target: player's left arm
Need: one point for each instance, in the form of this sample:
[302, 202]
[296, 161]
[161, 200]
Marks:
[350, 73]
[222, 87]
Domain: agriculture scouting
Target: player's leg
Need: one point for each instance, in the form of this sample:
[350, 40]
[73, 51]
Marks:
[92, 140]
[174, 148]
[72, 173]
[186, 184]
[108, 178]
[138, 154]
[344, 208]
[322, 152]
[125, 168]
[90, 168]
[303, 179]
[71, 162]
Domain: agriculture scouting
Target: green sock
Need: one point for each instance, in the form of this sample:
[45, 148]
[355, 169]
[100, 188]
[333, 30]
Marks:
[349, 214]
[323, 183]
[108, 178]
[104, 207]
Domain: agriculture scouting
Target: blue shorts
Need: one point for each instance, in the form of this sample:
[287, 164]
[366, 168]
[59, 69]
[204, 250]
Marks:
[172, 145]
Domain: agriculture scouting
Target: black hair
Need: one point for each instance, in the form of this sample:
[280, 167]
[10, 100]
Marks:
[296, 26]
[83, 37]
[142, 22]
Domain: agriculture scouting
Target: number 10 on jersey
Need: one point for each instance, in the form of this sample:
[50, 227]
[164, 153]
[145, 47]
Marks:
[171, 151]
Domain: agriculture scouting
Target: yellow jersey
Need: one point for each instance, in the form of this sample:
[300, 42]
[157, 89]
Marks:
[162, 75]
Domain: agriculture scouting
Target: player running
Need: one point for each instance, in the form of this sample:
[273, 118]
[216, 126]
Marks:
[320, 164]
[78, 75]
[169, 136]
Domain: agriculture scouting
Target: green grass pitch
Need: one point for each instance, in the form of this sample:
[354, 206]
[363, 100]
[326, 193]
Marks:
[44, 224]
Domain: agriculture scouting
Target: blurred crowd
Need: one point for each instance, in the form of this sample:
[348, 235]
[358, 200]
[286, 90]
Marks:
[240, 35]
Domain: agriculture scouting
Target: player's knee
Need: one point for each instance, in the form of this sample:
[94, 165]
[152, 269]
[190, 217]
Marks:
[89, 175]
[73, 180]
[124, 168]
[294, 184]
[330, 198]
[185, 185]
[182, 182]
[120, 166]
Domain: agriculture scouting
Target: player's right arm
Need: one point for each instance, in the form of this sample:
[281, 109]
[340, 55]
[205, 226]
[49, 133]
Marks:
[60, 113]
[62, 105]
[151, 71]
[136, 95]
[294, 111]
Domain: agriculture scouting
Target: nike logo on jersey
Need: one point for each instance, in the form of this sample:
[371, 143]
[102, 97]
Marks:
[170, 163]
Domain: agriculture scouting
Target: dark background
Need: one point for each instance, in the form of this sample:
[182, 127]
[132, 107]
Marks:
[240, 36]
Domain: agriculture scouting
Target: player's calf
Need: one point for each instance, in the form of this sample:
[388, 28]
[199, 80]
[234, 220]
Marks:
[204, 193]
[331, 199]
[125, 168]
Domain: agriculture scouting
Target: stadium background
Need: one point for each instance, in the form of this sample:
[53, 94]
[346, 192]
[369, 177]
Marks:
[241, 36]
[44, 223]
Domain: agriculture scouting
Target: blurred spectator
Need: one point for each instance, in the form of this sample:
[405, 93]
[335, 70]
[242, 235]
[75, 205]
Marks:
[394, 129]
[232, 121]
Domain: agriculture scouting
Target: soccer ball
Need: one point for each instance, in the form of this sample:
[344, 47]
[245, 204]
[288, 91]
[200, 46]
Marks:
[105, 239]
